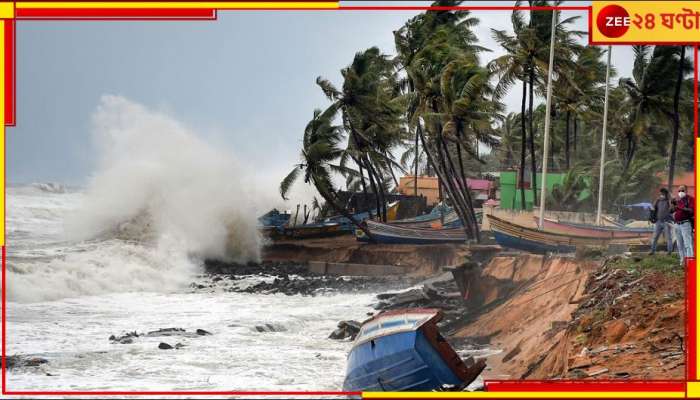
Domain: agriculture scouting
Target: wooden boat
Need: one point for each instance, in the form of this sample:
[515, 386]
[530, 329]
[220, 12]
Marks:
[274, 218]
[348, 226]
[323, 229]
[394, 234]
[403, 350]
[609, 232]
[534, 240]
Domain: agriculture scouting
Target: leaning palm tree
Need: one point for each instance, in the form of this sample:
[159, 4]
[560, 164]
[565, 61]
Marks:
[415, 35]
[370, 109]
[320, 149]
[455, 112]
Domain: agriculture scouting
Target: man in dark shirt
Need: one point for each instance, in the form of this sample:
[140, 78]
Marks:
[683, 209]
[661, 217]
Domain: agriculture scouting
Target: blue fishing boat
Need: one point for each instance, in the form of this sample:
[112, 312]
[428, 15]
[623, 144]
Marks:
[403, 350]
[274, 218]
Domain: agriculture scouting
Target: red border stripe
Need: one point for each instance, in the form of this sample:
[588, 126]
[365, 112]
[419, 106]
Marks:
[10, 82]
[585, 386]
[116, 13]
[691, 328]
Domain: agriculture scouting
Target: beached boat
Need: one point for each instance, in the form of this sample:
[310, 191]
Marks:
[533, 240]
[395, 234]
[274, 218]
[608, 232]
[348, 226]
[323, 229]
[403, 350]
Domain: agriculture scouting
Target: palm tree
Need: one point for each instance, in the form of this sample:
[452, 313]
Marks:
[648, 96]
[320, 150]
[578, 89]
[413, 36]
[526, 60]
[370, 109]
[684, 67]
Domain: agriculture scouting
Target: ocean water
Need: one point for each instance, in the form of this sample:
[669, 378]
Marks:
[67, 295]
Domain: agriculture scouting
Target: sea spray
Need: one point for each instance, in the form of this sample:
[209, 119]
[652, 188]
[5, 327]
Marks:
[159, 201]
[152, 165]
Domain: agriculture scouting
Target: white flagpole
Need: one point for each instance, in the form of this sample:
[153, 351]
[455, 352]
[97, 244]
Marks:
[602, 144]
[543, 184]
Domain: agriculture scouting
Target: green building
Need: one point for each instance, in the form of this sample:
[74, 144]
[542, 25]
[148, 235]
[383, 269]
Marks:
[510, 192]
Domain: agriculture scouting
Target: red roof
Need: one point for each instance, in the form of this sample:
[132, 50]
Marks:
[479, 184]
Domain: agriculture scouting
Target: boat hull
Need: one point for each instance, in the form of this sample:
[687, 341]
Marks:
[594, 231]
[392, 234]
[531, 246]
[534, 240]
[402, 350]
[400, 362]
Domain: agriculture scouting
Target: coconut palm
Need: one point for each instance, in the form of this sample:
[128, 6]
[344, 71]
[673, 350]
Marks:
[413, 36]
[648, 94]
[526, 60]
[320, 149]
[578, 89]
[371, 113]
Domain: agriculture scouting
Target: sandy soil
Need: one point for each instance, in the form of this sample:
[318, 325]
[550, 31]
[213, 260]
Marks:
[563, 318]
[525, 301]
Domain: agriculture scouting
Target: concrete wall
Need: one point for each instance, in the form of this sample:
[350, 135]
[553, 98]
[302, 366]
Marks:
[350, 269]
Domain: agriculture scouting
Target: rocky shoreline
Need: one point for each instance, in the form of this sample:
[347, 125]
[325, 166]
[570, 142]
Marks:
[289, 278]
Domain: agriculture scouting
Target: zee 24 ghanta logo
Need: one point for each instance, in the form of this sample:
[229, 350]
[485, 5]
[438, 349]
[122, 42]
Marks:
[613, 21]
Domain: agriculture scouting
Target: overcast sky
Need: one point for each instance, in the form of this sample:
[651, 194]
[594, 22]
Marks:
[245, 82]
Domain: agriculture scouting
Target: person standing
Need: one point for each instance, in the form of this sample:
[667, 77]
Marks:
[661, 217]
[683, 210]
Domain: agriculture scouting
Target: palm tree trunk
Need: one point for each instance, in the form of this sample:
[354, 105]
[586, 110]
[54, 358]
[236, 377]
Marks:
[575, 134]
[364, 186]
[533, 159]
[381, 199]
[676, 120]
[522, 147]
[374, 191]
[567, 155]
[439, 168]
[457, 192]
[342, 211]
[415, 161]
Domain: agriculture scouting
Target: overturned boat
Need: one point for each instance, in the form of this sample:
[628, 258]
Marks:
[402, 350]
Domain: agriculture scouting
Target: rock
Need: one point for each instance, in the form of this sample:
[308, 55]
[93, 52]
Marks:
[127, 338]
[18, 361]
[202, 332]
[171, 332]
[346, 329]
[164, 346]
[179, 345]
[270, 328]
[615, 330]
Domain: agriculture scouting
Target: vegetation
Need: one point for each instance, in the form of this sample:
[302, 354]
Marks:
[435, 108]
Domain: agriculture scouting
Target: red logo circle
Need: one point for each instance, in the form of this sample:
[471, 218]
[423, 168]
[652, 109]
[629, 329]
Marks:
[613, 21]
